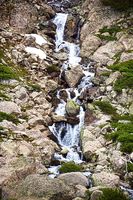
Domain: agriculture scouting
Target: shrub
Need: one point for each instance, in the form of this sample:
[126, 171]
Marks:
[126, 69]
[9, 117]
[113, 194]
[119, 4]
[69, 167]
[124, 134]
[130, 167]
[106, 107]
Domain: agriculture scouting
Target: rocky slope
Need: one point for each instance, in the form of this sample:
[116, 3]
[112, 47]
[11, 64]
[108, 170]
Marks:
[29, 75]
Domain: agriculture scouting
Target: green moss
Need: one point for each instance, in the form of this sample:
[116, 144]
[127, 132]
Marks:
[105, 107]
[87, 195]
[126, 69]
[9, 117]
[119, 4]
[35, 87]
[113, 194]
[53, 68]
[130, 167]
[69, 167]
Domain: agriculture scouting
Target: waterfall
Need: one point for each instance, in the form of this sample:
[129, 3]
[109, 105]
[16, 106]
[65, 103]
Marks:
[68, 135]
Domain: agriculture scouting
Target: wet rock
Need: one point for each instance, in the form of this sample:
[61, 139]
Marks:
[90, 45]
[61, 56]
[43, 187]
[74, 178]
[9, 107]
[72, 108]
[73, 76]
[71, 29]
[89, 117]
[106, 179]
[58, 118]
[48, 28]
[72, 120]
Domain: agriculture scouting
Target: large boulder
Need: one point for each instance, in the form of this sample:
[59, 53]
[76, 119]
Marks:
[106, 179]
[90, 145]
[105, 54]
[73, 76]
[9, 107]
[72, 108]
[40, 186]
[74, 178]
[89, 45]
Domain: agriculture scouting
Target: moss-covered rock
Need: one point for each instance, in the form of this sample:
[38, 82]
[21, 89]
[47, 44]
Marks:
[69, 167]
[72, 108]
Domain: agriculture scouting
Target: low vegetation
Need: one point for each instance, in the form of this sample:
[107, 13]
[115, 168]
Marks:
[123, 134]
[130, 167]
[113, 194]
[9, 117]
[119, 4]
[105, 107]
[34, 87]
[126, 81]
[109, 33]
[70, 167]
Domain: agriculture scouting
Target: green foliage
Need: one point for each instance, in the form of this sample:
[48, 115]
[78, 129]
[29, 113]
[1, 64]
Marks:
[7, 73]
[105, 107]
[87, 195]
[4, 96]
[35, 87]
[119, 4]
[112, 31]
[113, 194]
[126, 69]
[123, 134]
[9, 117]
[69, 167]
[130, 167]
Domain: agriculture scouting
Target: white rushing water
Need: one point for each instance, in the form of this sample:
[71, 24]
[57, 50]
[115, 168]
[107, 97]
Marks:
[68, 135]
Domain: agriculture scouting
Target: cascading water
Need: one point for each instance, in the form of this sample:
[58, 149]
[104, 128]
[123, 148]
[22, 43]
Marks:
[68, 135]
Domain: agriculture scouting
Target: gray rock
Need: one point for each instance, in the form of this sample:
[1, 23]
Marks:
[39, 186]
[9, 107]
[89, 45]
[74, 178]
[73, 76]
[106, 179]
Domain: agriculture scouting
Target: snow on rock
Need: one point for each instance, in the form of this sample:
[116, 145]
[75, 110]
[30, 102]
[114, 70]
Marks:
[35, 51]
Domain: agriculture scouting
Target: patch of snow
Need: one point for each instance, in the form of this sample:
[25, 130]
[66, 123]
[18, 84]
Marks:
[35, 51]
[38, 38]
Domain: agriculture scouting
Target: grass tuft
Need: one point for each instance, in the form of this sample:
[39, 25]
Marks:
[69, 167]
